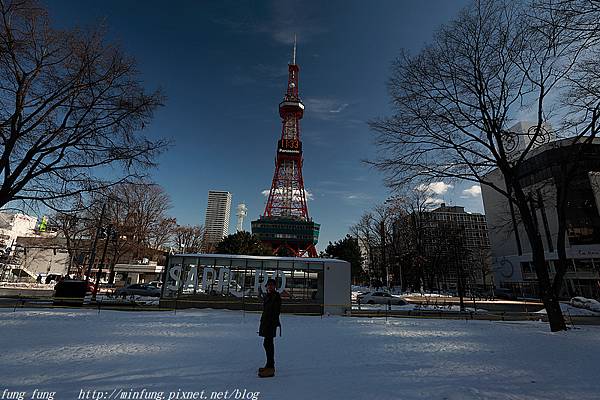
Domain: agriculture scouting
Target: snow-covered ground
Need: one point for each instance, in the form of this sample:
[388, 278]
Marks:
[68, 351]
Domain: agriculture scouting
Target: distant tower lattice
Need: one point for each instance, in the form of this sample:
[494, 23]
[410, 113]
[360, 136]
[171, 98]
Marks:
[241, 212]
[285, 224]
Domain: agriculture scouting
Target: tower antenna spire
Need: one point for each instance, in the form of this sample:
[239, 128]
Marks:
[294, 55]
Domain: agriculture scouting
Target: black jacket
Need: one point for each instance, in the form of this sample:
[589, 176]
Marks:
[269, 320]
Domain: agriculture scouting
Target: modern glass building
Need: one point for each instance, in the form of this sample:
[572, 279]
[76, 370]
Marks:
[567, 165]
[237, 282]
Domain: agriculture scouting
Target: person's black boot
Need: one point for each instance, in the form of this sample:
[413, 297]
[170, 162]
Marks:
[266, 372]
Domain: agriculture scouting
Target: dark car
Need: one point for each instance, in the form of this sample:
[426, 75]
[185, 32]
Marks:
[504, 294]
[69, 292]
[52, 278]
[138, 289]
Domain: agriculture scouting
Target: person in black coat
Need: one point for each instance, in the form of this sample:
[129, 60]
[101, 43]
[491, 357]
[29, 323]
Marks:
[269, 321]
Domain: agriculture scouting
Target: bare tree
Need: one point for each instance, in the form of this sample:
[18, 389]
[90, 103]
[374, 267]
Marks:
[375, 234]
[77, 231]
[161, 236]
[455, 100]
[136, 214]
[188, 239]
[70, 107]
[416, 263]
[366, 231]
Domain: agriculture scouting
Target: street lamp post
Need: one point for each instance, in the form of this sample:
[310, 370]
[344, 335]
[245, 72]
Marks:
[93, 254]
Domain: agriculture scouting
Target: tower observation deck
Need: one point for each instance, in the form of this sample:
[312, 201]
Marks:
[285, 224]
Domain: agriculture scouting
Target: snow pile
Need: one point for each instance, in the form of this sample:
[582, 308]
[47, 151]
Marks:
[67, 351]
[568, 309]
[27, 285]
[356, 289]
[588, 304]
[450, 307]
[131, 300]
[426, 294]
[417, 307]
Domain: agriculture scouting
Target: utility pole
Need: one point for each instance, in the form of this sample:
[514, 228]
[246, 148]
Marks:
[93, 251]
[384, 260]
[111, 275]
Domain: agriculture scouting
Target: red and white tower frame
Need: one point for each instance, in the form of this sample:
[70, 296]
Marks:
[285, 224]
[287, 197]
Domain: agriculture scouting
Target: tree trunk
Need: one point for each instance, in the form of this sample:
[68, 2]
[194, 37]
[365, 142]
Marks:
[562, 262]
[461, 289]
[549, 298]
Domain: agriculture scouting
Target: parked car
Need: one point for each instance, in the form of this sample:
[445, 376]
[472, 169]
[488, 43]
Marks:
[381, 298]
[504, 294]
[52, 278]
[157, 284]
[139, 289]
[359, 294]
[70, 292]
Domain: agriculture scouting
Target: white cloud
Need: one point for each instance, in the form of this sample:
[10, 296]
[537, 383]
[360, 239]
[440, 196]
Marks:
[339, 109]
[473, 191]
[357, 197]
[437, 188]
[325, 108]
[433, 201]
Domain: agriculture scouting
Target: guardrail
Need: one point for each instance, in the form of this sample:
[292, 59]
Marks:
[19, 302]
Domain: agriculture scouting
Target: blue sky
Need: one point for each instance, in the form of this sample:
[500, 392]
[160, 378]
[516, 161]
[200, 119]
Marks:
[223, 66]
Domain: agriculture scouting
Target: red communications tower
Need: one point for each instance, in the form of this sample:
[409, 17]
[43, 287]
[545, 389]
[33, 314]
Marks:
[285, 225]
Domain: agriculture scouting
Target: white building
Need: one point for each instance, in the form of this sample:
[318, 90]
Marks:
[218, 213]
[519, 136]
[40, 256]
[511, 252]
[13, 225]
[143, 272]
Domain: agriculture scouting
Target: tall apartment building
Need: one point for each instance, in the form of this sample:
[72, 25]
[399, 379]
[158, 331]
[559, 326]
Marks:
[218, 212]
